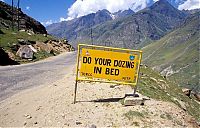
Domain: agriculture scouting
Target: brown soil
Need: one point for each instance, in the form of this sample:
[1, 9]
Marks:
[52, 105]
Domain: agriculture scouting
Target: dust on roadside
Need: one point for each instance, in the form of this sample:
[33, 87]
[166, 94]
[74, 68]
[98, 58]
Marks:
[52, 105]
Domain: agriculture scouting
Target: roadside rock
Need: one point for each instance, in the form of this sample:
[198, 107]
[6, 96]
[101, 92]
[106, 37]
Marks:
[27, 116]
[187, 91]
[25, 52]
[78, 123]
[93, 126]
[167, 71]
[40, 46]
[53, 46]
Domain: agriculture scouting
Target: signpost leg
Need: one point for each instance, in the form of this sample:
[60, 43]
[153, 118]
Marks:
[77, 69]
[134, 91]
[75, 92]
[138, 73]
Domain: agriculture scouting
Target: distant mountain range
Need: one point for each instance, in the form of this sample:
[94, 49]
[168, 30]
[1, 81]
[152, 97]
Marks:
[122, 29]
[71, 29]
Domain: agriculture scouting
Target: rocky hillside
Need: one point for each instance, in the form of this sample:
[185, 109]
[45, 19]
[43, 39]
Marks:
[25, 22]
[30, 43]
[71, 29]
[23, 47]
[122, 14]
[133, 31]
[176, 55]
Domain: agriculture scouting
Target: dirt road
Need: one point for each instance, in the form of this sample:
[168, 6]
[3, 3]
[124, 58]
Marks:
[16, 78]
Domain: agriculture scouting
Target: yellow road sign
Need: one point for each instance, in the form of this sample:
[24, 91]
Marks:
[110, 64]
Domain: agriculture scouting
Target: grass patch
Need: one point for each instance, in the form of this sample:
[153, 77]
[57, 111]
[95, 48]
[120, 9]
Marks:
[179, 122]
[166, 116]
[10, 38]
[169, 117]
[135, 123]
[42, 54]
[162, 116]
[131, 114]
[122, 101]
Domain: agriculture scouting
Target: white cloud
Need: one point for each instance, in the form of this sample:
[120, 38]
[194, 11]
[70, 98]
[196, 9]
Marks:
[62, 19]
[190, 4]
[2, 0]
[27, 8]
[84, 7]
[46, 23]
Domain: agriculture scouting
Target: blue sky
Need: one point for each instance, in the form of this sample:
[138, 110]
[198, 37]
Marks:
[52, 11]
[45, 11]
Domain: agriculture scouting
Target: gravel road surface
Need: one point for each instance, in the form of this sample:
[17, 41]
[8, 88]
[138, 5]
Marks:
[16, 78]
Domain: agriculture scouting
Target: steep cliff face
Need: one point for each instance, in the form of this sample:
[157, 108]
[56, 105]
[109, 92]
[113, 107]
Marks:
[25, 22]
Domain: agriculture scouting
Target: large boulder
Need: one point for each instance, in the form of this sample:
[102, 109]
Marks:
[40, 46]
[25, 52]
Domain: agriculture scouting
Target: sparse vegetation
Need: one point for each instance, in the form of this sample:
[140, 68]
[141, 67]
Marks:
[10, 38]
[169, 117]
[165, 90]
[162, 116]
[9, 41]
[135, 123]
[166, 116]
[131, 114]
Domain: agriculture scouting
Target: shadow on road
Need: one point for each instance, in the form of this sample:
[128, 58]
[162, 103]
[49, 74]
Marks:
[109, 100]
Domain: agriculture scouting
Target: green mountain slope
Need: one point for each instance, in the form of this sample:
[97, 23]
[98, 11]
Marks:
[176, 55]
[153, 85]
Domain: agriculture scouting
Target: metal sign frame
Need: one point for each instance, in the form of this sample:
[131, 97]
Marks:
[104, 48]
